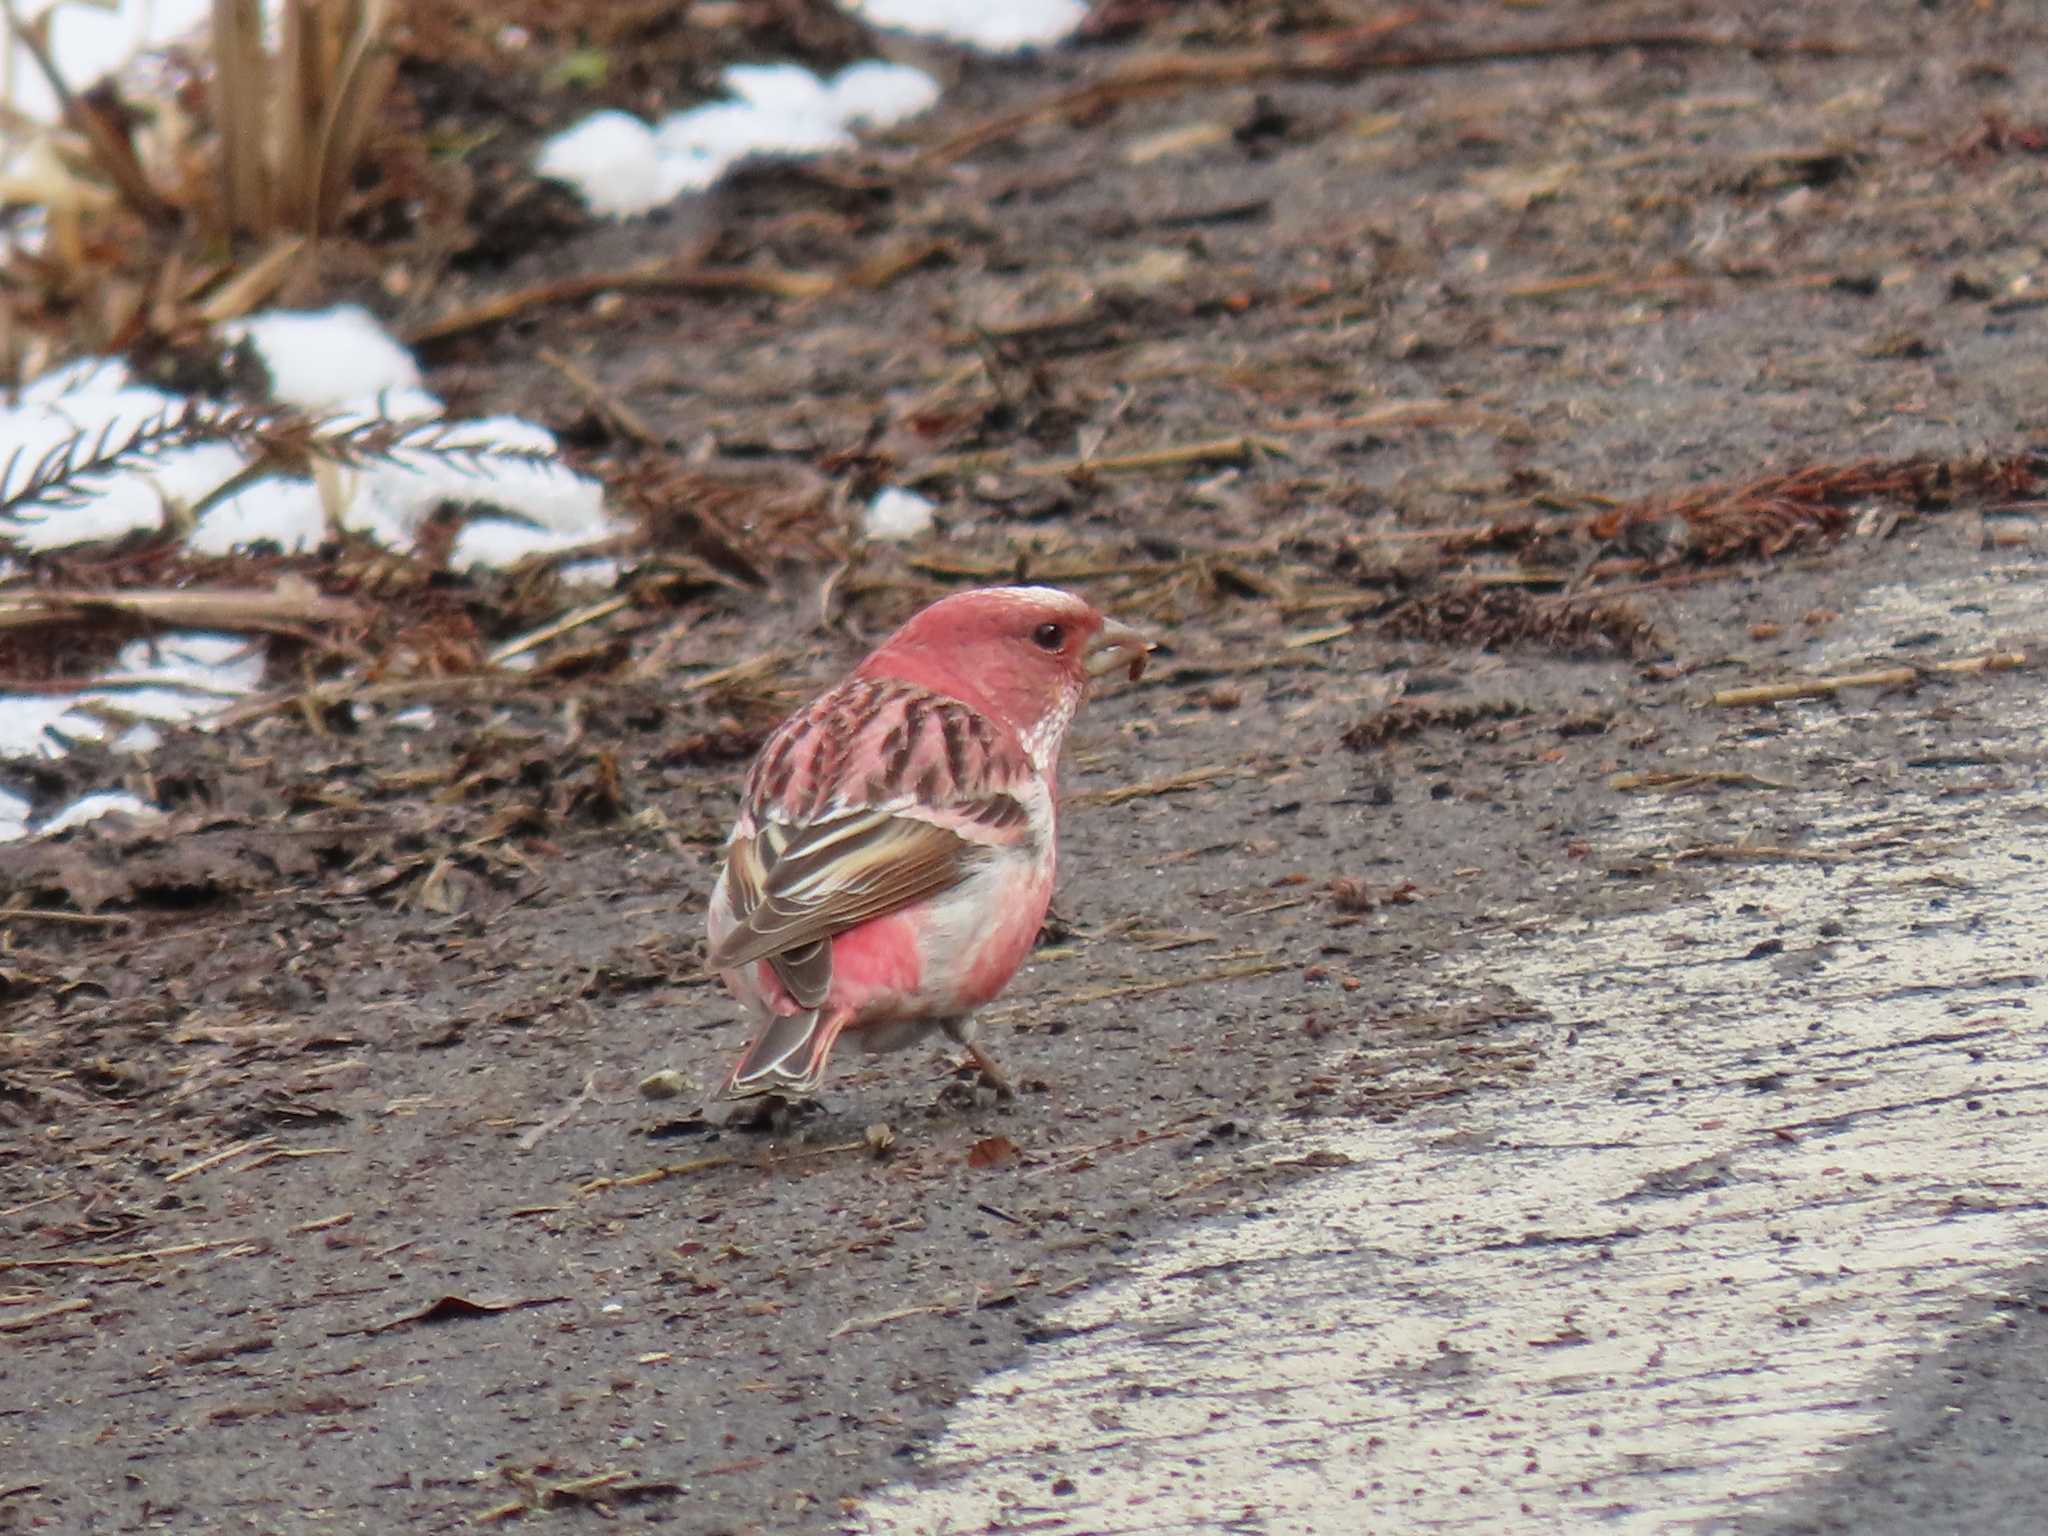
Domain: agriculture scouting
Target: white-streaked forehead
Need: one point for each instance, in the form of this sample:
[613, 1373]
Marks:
[1041, 597]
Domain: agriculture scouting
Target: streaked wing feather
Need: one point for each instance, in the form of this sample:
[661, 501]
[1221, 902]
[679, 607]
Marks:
[835, 876]
[806, 972]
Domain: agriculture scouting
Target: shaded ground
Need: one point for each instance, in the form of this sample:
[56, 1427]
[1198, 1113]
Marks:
[366, 1034]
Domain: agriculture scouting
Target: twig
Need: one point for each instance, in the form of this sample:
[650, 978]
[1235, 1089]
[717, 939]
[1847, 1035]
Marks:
[1736, 853]
[883, 1319]
[1170, 784]
[287, 608]
[1404, 413]
[1234, 971]
[558, 628]
[1885, 677]
[656, 1175]
[215, 1159]
[116, 156]
[560, 1118]
[629, 422]
[288, 1155]
[116, 1260]
[1218, 450]
[1665, 782]
[756, 666]
[82, 919]
[691, 278]
[29, 1319]
[1346, 56]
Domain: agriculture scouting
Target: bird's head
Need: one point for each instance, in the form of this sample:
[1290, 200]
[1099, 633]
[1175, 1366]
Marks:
[1022, 655]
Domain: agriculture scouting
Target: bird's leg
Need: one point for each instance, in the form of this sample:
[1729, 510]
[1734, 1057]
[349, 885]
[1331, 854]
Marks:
[989, 1070]
[962, 1030]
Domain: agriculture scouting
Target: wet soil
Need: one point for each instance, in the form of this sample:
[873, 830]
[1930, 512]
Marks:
[328, 1196]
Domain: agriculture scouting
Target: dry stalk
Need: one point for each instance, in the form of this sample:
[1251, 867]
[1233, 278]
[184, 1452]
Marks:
[1883, 677]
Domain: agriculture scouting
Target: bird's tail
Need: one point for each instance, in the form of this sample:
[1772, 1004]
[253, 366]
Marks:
[788, 1056]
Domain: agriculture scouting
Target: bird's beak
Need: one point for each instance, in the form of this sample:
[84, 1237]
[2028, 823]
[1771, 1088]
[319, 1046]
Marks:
[1116, 645]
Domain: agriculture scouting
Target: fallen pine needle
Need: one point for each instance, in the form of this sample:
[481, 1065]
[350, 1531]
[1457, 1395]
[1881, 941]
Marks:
[1170, 784]
[289, 607]
[629, 422]
[562, 626]
[1674, 783]
[29, 1319]
[1884, 677]
[1219, 450]
[656, 1175]
[560, 1118]
[116, 1260]
[1311, 637]
[1235, 971]
[883, 1319]
[214, 1159]
[1735, 853]
[83, 919]
[658, 274]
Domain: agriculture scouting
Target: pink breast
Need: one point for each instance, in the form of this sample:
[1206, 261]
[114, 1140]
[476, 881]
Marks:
[1008, 940]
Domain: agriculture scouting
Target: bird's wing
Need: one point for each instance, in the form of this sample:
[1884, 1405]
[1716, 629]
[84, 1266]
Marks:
[879, 795]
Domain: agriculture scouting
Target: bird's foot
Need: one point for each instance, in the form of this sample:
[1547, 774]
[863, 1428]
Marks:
[771, 1114]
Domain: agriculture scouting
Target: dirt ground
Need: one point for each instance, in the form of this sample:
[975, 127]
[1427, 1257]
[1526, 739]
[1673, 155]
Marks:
[328, 1195]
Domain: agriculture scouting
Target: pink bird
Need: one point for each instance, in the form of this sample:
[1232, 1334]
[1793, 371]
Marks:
[894, 856]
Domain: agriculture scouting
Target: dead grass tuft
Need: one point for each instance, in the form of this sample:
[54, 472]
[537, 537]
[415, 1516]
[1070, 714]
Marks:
[1502, 618]
[1767, 516]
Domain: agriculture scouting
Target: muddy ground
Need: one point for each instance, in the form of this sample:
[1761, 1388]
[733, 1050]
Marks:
[328, 1197]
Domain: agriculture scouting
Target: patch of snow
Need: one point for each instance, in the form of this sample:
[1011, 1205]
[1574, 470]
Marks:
[898, 516]
[548, 507]
[1008, 27]
[171, 679]
[610, 158]
[599, 573]
[43, 725]
[108, 506]
[495, 543]
[319, 359]
[620, 166]
[141, 739]
[90, 42]
[88, 808]
[878, 95]
[284, 511]
[180, 677]
[14, 811]
[498, 472]
[84, 376]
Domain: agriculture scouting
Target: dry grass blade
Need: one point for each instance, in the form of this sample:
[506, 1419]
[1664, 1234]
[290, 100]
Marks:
[25, 1320]
[291, 127]
[685, 277]
[355, 71]
[1172, 783]
[239, 85]
[288, 608]
[1882, 677]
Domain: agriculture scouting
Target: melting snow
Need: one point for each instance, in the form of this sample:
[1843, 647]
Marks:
[621, 166]
[337, 364]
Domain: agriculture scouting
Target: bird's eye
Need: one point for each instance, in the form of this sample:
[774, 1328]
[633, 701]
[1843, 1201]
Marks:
[1049, 637]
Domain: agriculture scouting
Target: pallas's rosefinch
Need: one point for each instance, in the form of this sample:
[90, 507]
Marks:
[894, 852]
